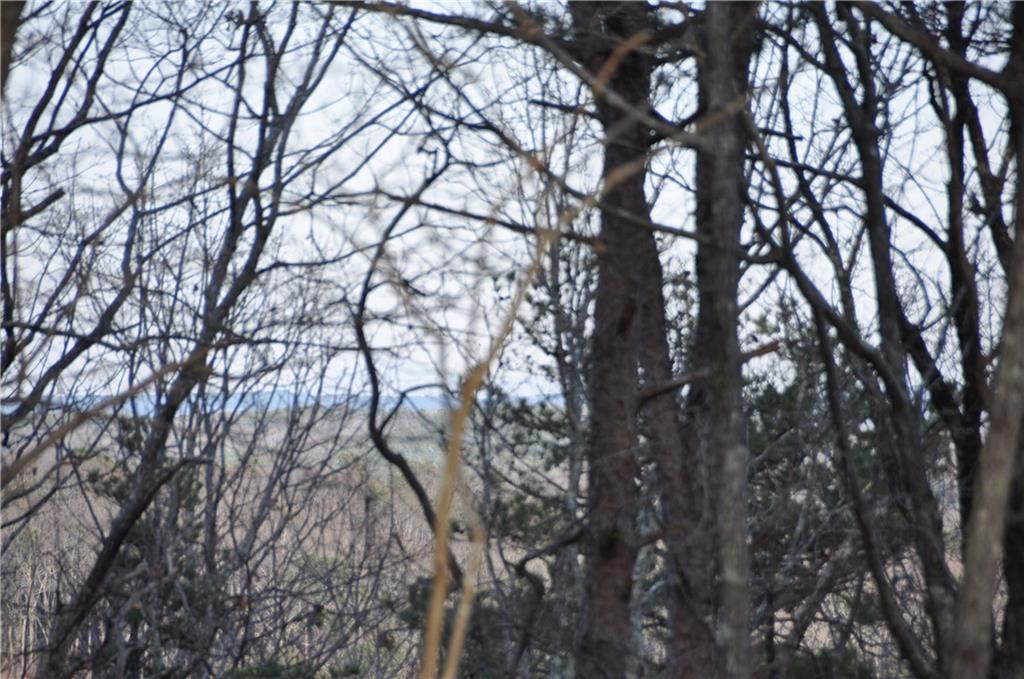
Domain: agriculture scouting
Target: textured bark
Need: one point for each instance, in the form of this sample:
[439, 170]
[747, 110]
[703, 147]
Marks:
[972, 641]
[629, 325]
[10, 19]
[723, 71]
[610, 534]
[993, 533]
[1010, 660]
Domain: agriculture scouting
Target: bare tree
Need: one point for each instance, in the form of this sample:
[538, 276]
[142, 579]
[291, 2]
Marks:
[271, 273]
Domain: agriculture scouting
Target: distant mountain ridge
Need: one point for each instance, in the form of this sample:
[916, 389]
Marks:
[145, 404]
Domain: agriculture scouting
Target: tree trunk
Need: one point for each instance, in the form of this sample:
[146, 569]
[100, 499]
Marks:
[683, 473]
[1010, 661]
[10, 19]
[610, 534]
[722, 78]
[994, 533]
